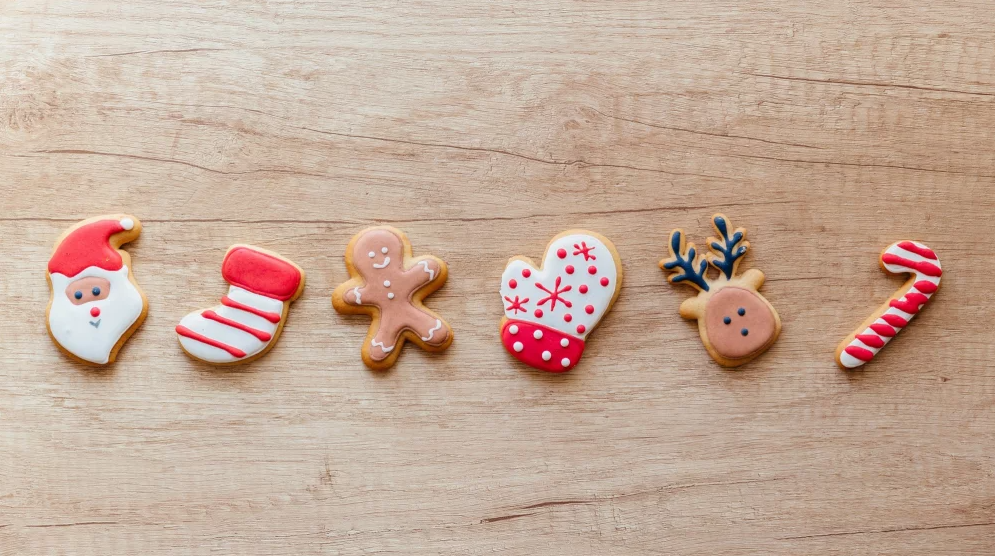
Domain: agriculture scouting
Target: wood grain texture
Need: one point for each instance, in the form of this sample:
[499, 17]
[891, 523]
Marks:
[827, 128]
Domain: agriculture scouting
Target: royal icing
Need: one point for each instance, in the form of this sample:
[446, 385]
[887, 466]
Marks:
[251, 316]
[903, 257]
[550, 311]
[390, 286]
[735, 322]
[95, 304]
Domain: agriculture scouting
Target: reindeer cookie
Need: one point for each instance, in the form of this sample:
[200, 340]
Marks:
[549, 311]
[389, 285]
[736, 323]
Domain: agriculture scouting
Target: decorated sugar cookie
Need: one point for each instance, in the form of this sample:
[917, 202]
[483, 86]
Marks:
[390, 285]
[96, 304]
[549, 311]
[903, 257]
[251, 316]
[735, 322]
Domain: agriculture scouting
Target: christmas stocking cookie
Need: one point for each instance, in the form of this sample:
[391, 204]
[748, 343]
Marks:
[390, 286]
[96, 304]
[549, 311]
[735, 322]
[250, 318]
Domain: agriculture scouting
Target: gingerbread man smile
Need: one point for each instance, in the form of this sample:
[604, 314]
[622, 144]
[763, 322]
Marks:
[389, 285]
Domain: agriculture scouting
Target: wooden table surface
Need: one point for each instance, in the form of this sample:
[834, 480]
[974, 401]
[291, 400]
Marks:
[828, 128]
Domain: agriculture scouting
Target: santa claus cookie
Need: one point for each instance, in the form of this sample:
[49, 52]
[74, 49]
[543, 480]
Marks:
[735, 322]
[549, 311]
[96, 304]
[251, 316]
[390, 286]
[903, 257]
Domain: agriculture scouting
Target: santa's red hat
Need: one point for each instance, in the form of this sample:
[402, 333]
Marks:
[89, 245]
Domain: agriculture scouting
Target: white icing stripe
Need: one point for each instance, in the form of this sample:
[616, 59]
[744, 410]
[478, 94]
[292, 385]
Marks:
[355, 291]
[382, 347]
[386, 261]
[438, 325]
[431, 273]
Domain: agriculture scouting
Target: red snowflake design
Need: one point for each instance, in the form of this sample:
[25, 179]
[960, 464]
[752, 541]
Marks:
[516, 304]
[583, 249]
[554, 295]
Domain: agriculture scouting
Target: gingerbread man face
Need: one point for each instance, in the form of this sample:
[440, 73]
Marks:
[389, 285]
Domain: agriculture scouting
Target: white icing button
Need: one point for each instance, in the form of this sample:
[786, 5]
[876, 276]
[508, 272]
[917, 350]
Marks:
[519, 346]
[546, 356]
[390, 295]
[386, 283]
[537, 334]
[565, 362]
[564, 342]
[383, 250]
[513, 329]
[372, 254]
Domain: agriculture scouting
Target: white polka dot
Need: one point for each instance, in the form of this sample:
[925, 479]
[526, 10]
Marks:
[372, 254]
[519, 346]
[386, 283]
[513, 329]
[383, 250]
[565, 362]
[537, 334]
[546, 356]
[390, 295]
[565, 342]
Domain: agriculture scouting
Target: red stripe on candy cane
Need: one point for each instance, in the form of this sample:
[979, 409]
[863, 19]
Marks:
[883, 330]
[924, 252]
[860, 353]
[922, 267]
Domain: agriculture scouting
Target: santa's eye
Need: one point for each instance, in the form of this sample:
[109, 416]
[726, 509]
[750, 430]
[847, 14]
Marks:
[78, 294]
[95, 291]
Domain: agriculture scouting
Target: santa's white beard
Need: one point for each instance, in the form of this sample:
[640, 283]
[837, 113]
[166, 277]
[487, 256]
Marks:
[71, 324]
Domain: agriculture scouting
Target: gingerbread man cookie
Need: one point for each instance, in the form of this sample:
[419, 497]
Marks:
[550, 311]
[390, 286]
[903, 257]
[735, 322]
[96, 304]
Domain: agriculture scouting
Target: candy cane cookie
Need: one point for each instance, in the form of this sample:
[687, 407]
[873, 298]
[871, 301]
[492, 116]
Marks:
[903, 257]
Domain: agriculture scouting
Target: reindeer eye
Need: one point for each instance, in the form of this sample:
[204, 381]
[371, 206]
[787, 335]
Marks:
[78, 294]
[727, 320]
[742, 312]
[96, 291]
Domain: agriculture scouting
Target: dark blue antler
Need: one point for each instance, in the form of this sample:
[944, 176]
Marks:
[731, 249]
[685, 262]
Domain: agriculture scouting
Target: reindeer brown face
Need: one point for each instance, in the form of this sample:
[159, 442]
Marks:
[735, 322]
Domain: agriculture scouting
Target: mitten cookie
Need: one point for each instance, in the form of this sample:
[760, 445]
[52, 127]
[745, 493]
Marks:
[549, 311]
[903, 257]
[735, 322]
[250, 318]
[390, 286]
[96, 304]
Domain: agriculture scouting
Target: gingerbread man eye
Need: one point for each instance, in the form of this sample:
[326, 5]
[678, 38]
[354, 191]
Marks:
[383, 250]
[372, 254]
[78, 294]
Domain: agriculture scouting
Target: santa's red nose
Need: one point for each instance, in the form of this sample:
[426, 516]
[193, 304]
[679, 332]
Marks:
[95, 312]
